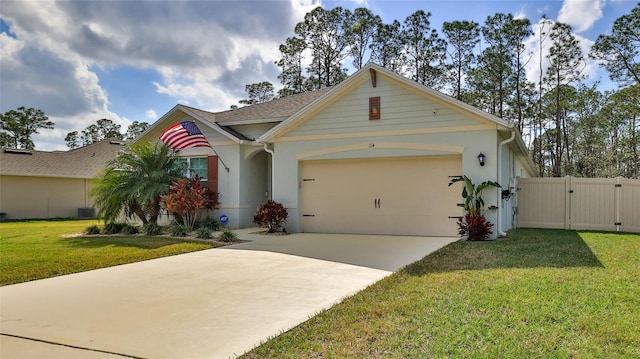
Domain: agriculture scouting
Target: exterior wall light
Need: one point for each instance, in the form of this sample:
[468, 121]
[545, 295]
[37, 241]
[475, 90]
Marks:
[481, 158]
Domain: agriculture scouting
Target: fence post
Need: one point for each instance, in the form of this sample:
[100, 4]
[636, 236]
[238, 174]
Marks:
[617, 189]
[568, 202]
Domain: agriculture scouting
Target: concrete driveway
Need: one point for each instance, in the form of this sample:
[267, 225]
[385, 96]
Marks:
[217, 303]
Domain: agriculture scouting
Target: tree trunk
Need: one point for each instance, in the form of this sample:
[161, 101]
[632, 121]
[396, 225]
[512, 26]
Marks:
[519, 97]
[569, 164]
[501, 95]
[557, 167]
[140, 214]
[459, 77]
[154, 210]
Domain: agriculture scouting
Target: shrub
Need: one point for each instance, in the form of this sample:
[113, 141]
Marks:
[271, 215]
[93, 230]
[472, 194]
[187, 198]
[474, 227]
[211, 223]
[129, 228]
[178, 230]
[203, 233]
[228, 236]
[113, 228]
[152, 229]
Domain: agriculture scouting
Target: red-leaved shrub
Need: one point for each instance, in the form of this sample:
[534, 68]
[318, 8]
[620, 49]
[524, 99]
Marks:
[474, 227]
[187, 198]
[271, 215]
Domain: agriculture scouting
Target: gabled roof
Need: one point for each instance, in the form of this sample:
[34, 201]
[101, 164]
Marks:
[84, 162]
[273, 111]
[362, 75]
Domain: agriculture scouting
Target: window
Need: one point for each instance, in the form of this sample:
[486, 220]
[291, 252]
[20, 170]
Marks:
[195, 165]
[199, 166]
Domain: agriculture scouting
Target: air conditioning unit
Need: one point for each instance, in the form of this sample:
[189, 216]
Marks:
[86, 212]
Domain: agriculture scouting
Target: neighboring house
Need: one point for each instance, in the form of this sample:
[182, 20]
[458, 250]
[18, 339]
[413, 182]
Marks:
[39, 184]
[371, 155]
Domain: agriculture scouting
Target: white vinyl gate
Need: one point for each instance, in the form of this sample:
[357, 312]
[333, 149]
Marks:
[610, 204]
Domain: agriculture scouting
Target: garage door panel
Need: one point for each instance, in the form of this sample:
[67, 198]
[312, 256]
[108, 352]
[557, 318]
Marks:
[404, 196]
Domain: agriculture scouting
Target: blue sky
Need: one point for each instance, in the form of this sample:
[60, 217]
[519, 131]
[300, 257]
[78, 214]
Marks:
[82, 60]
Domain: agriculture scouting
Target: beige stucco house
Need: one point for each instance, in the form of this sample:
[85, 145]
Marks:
[41, 184]
[372, 155]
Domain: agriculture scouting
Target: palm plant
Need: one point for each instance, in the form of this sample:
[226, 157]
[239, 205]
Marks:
[472, 194]
[133, 182]
[473, 225]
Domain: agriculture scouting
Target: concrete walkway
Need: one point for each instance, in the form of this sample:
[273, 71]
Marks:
[216, 303]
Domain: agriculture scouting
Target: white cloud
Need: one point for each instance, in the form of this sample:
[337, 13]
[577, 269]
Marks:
[362, 3]
[9, 47]
[543, 10]
[151, 115]
[540, 36]
[581, 14]
[203, 94]
[205, 51]
[538, 46]
[52, 140]
[64, 88]
[520, 15]
[301, 7]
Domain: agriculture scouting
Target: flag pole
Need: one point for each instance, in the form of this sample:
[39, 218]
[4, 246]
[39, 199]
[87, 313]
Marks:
[220, 159]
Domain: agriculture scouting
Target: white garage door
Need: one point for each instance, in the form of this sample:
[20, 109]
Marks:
[401, 196]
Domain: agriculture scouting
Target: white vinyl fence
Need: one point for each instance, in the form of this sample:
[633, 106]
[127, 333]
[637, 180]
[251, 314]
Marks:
[610, 204]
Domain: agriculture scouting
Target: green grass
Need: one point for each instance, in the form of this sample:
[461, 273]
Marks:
[535, 294]
[37, 249]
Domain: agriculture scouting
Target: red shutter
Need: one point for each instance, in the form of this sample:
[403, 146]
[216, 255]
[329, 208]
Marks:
[212, 173]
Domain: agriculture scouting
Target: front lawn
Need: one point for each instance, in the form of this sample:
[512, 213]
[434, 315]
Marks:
[535, 294]
[38, 249]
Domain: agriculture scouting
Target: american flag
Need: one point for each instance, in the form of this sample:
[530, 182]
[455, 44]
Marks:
[184, 135]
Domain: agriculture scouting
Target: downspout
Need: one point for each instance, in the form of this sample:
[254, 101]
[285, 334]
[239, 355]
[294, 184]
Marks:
[501, 233]
[266, 148]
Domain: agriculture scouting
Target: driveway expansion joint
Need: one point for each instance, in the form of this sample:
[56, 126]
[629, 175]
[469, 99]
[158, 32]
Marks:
[70, 346]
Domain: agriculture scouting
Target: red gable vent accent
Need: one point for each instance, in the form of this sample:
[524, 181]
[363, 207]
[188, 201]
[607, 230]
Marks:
[374, 108]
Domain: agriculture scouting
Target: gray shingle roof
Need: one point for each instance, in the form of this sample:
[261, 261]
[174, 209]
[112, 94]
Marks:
[84, 162]
[272, 111]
